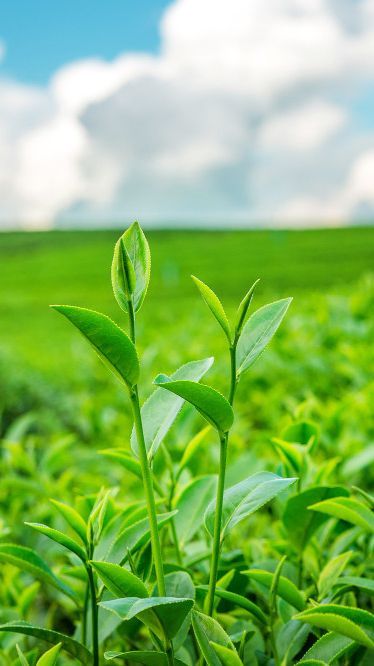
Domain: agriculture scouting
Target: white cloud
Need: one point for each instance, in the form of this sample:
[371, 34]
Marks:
[305, 127]
[244, 115]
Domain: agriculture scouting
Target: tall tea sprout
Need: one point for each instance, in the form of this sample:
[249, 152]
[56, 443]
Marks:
[245, 344]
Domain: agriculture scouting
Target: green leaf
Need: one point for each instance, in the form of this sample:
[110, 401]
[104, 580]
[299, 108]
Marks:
[348, 509]
[301, 432]
[178, 584]
[119, 581]
[73, 519]
[300, 523]
[361, 583]
[211, 404]
[191, 447]
[123, 275]
[21, 656]
[125, 459]
[131, 267]
[331, 572]
[208, 630]
[351, 622]
[49, 658]
[243, 308]
[27, 559]
[163, 615]
[145, 657]
[246, 497]
[162, 408]
[258, 331]
[190, 505]
[286, 589]
[290, 454]
[110, 342]
[239, 600]
[60, 538]
[134, 537]
[71, 646]
[228, 657]
[214, 305]
[328, 648]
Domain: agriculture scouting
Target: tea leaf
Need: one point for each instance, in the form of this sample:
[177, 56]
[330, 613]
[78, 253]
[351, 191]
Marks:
[214, 305]
[348, 509]
[246, 497]
[123, 275]
[243, 308]
[134, 245]
[110, 342]
[133, 537]
[71, 646]
[60, 538]
[239, 600]
[162, 408]
[208, 630]
[331, 572]
[258, 331]
[119, 581]
[286, 589]
[351, 622]
[27, 559]
[211, 404]
[191, 447]
[21, 656]
[328, 648]
[361, 583]
[49, 658]
[125, 459]
[167, 613]
[190, 505]
[228, 657]
[301, 524]
[73, 519]
[145, 657]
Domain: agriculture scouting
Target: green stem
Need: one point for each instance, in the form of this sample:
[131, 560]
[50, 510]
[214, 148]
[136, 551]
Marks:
[84, 615]
[148, 490]
[94, 617]
[217, 524]
[233, 378]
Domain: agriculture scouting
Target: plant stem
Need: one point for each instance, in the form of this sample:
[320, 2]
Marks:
[94, 617]
[148, 490]
[146, 471]
[217, 524]
[84, 615]
[233, 378]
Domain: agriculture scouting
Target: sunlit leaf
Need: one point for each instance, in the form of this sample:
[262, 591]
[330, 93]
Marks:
[71, 646]
[351, 622]
[258, 331]
[162, 407]
[348, 509]
[214, 305]
[246, 497]
[210, 403]
[120, 581]
[110, 342]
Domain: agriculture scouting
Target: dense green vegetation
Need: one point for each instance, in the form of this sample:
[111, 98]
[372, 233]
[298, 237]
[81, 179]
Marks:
[302, 411]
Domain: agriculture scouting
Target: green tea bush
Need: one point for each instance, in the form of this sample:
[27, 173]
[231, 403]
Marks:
[173, 563]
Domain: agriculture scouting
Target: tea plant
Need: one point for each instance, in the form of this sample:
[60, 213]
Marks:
[172, 579]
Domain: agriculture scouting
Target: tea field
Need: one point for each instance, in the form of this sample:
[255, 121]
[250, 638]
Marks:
[294, 584]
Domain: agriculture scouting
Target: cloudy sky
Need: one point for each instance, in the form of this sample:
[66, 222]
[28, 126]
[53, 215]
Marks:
[215, 112]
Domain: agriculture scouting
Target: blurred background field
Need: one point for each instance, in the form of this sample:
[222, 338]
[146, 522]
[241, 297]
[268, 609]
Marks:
[317, 367]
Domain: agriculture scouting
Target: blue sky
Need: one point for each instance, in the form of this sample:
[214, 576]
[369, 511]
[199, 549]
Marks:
[43, 35]
[201, 112]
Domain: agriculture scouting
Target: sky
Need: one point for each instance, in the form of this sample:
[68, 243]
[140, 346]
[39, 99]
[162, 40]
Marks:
[191, 112]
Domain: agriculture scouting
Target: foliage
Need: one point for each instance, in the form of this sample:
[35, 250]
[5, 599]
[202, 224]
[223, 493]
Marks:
[193, 543]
